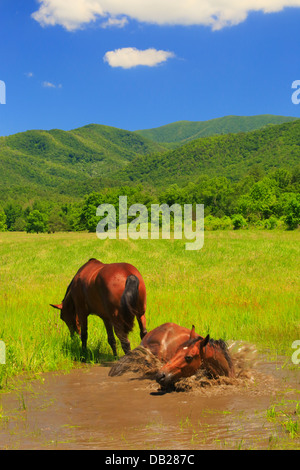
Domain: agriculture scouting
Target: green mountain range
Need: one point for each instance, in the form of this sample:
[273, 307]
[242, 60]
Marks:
[231, 155]
[65, 165]
[41, 162]
[181, 132]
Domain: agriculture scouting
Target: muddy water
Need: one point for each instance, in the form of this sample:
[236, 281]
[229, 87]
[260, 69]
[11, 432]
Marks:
[88, 409]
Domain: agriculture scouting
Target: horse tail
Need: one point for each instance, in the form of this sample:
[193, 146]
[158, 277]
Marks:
[129, 302]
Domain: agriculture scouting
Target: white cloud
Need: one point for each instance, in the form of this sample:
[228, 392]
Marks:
[71, 14]
[51, 85]
[129, 57]
[48, 85]
[74, 14]
[115, 22]
[29, 74]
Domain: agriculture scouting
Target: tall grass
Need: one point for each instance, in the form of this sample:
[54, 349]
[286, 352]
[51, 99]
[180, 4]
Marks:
[241, 285]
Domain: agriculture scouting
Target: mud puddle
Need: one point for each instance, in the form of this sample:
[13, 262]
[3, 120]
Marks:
[88, 409]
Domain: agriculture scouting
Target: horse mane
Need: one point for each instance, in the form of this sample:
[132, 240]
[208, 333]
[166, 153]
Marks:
[221, 344]
[68, 294]
[68, 302]
[214, 343]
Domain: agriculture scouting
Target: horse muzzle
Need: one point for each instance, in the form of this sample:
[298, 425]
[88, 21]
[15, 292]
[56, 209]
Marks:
[164, 379]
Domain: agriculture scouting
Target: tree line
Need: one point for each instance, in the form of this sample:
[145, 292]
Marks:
[258, 200]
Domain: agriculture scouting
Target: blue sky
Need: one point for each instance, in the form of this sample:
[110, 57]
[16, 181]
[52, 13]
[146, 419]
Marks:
[70, 63]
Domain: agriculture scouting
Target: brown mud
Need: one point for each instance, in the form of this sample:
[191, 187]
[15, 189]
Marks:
[90, 409]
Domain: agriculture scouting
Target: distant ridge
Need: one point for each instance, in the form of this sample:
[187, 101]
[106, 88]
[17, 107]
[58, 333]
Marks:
[37, 162]
[181, 132]
[231, 155]
[66, 165]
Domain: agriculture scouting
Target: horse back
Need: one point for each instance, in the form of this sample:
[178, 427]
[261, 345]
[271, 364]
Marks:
[98, 287]
[112, 278]
[165, 340]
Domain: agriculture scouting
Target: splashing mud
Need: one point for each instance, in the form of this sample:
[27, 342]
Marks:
[244, 357]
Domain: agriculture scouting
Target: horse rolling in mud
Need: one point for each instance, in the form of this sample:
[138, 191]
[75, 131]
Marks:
[115, 292]
[185, 352]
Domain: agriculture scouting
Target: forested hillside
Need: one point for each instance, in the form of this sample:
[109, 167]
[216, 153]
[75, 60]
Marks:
[54, 180]
[181, 132]
[231, 155]
[50, 163]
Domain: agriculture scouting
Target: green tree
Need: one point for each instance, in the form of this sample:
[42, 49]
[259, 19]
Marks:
[19, 225]
[238, 222]
[36, 222]
[283, 177]
[271, 223]
[171, 195]
[58, 222]
[88, 220]
[292, 218]
[3, 226]
[13, 212]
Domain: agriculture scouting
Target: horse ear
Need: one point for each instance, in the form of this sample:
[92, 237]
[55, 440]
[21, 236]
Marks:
[204, 341]
[59, 307]
[193, 333]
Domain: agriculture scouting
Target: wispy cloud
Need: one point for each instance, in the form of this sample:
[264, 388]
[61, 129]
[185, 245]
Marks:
[29, 74]
[115, 22]
[48, 85]
[51, 85]
[74, 14]
[129, 57]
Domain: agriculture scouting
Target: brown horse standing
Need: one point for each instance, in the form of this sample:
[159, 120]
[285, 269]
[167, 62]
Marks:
[115, 292]
[185, 352]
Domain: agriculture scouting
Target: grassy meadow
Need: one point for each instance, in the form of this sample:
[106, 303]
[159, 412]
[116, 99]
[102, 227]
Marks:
[243, 285]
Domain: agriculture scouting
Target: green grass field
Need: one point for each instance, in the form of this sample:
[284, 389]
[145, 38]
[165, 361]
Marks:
[242, 285]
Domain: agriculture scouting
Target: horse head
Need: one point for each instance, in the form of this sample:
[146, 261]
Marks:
[67, 314]
[216, 359]
[186, 361]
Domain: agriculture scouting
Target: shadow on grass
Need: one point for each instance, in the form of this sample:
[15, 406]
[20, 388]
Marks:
[72, 349]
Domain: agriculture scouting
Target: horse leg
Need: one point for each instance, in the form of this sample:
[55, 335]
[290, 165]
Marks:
[125, 343]
[83, 329]
[110, 336]
[81, 315]
[142, 324]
